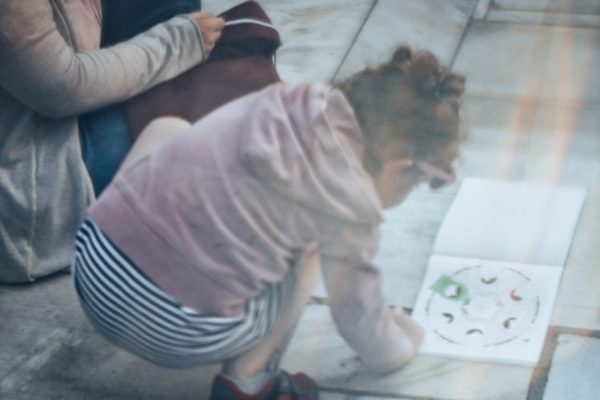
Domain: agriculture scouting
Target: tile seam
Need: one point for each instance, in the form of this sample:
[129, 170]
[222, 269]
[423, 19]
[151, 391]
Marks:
[463, 36]
[540, 375]
[353, 42]
[368, 393]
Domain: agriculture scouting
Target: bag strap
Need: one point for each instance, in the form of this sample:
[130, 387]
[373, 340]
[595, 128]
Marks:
[249, 21]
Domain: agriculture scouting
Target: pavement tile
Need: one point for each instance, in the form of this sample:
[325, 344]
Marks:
[564, 144]
[578, 301]
[435, 25]
[574, 371]
[48, 347]
[49, 300]
[517, 60]
[536, 17]
[497, 132]
[553, 6]
[23, 353]
[482, 9]
[346, 396]
[407, 238]
[81, 365]
[572, 65]
[578, 122]
[315, 34]
[424, 377]
[564, 147]
[575, 316]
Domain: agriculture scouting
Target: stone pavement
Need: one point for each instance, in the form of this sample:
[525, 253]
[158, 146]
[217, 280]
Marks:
[533, 107]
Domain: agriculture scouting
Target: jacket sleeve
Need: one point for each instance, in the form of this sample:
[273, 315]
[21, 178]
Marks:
[357, 303]
[363, 318]
[45, 73]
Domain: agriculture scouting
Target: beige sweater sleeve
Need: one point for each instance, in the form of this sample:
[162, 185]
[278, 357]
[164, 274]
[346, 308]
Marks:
[45, 73]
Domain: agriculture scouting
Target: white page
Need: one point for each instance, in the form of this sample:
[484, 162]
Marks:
[511, 221]
[503, 318]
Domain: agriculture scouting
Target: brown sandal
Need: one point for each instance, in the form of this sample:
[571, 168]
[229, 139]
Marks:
[282, 386]
[295, 387]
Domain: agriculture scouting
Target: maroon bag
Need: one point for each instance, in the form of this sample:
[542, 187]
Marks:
[241, 62]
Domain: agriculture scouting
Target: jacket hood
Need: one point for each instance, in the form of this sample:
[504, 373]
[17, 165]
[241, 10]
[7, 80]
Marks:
[307, 145]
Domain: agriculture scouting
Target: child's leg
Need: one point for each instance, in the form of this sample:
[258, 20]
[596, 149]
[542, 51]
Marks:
[157, 133]
[271, 347]
[105, 142]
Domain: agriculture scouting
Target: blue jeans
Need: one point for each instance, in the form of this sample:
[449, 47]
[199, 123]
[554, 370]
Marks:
[104, 134]
[123, 19]
[105, 141]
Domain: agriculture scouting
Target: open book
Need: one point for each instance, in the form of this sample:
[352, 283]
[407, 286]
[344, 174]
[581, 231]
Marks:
[496, 266]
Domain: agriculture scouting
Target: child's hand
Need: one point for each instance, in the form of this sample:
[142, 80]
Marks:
[414, 331]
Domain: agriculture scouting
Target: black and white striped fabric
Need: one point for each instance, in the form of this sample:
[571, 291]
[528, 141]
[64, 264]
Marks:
[133, 313]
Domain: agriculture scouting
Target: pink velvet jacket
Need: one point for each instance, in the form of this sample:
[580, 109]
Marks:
[231, 203]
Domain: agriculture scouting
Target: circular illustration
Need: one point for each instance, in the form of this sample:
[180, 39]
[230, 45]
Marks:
[483, 307]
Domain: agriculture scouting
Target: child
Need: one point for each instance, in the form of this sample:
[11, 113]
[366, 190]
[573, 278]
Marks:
[206, 248]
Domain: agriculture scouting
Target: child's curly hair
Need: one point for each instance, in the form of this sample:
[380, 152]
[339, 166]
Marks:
[412, 97]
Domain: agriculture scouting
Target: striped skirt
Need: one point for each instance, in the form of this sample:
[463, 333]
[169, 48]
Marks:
[129, 310]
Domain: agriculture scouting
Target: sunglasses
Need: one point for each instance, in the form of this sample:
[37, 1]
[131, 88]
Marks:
[437, 176]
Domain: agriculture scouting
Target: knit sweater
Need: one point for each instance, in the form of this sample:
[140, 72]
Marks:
[51, 71]
[230, 204]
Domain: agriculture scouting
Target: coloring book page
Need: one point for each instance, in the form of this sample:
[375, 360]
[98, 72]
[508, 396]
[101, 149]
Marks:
[484, 310]
[495, 271]
[511, 221]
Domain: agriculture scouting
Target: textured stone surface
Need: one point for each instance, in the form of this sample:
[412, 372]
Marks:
[554, 63]
[315, 34]
[49, 351]
[574, 371]
[556, 6]
[435, 25]
[317, 349]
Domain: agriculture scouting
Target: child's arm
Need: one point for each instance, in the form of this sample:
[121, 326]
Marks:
[413, 329]
[385, 339]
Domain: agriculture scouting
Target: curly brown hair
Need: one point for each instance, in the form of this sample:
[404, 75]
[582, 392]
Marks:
[412, 97]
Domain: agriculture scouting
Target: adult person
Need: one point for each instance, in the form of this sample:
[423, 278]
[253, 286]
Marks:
[105, 133]
[51, 71]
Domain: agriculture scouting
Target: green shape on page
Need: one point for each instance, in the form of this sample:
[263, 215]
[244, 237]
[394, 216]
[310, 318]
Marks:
[450, 289]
